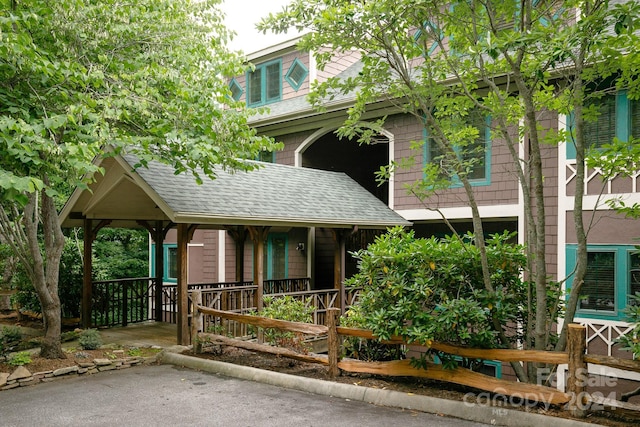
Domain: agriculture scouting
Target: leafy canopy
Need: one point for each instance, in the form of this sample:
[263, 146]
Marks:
[147, 76]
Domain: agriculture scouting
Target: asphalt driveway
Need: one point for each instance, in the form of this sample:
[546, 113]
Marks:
[166, 395]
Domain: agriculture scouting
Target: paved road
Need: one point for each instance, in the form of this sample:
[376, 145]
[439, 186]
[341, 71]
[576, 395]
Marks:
[168, 396]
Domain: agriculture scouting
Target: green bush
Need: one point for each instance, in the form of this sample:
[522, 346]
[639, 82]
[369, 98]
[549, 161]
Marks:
[428, 290]
[10, 337]
[286, 308]
[365, 349]
[90, 339]
[19, 359]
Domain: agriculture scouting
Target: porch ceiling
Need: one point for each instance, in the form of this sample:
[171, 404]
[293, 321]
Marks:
[273, 195]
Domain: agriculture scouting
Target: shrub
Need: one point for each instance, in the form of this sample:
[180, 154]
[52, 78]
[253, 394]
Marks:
[19, 359]
[365, 349]
[290, 309]
[432, 289]
[10, 337]
[90, 339]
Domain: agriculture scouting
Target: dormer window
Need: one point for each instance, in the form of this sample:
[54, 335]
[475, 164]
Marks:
[264, 84]
[296, 74]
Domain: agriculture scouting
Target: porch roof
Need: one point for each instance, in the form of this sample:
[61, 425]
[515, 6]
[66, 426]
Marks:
[273, 195]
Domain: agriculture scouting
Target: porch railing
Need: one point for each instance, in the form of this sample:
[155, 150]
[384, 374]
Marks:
[122, 301]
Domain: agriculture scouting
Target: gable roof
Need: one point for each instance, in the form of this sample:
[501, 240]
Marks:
[273, 195]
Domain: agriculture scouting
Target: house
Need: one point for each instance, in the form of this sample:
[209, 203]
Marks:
[220, 250]
[281, 81]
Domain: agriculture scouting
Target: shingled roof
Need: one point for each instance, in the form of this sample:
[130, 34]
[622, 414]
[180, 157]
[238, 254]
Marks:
[273, 195]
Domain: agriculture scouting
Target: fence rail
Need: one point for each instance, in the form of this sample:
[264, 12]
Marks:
[576, 399]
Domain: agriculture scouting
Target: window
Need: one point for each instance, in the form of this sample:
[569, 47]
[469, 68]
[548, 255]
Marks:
[603, 129]
[613, 273]
[617, 116]
[170, 262]
[634, 273]
[276, 256]
[267, 156]
[635, 118]
[477, 154]
[598, 290]
[428, 37]
[236, 90]
[296, 74]
[264, 84]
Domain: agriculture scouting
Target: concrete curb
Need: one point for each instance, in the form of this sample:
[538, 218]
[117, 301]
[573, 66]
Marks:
[451, 408]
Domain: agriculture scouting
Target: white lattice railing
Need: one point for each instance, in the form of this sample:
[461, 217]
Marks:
[605, 331]
[596, 173]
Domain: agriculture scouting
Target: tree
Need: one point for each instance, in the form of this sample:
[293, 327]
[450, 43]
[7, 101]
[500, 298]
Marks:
[85, 78]
[443, 63]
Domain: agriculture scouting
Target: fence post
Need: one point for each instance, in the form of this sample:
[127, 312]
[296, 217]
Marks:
[577, 369]
[196, 320]
[332, 341]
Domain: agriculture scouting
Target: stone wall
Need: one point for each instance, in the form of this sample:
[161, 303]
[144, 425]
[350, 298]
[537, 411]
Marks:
[23, 377]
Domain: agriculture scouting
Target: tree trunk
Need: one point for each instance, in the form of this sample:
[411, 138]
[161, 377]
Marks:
[45, 273]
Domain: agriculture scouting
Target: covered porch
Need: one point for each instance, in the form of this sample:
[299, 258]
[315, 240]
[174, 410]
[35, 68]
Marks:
[243, 205]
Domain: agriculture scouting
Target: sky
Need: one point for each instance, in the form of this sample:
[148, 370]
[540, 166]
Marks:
[242, 15]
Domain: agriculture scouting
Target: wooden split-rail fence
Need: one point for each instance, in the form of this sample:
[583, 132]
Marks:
[575, 398]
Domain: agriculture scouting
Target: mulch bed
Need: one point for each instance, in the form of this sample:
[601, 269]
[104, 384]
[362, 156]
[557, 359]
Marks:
[409, 385]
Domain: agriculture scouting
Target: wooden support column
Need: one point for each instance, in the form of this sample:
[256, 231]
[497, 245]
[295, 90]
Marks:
[258, 236]
[185, 234]
[158, 234]
[158, 238]
[90, 234]
[87, 285]
[239, 235]
[339, 263]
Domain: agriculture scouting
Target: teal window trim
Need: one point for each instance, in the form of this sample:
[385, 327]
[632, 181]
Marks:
[622, 126]
[495, 364]
[455, 181]
[288, 77]
[270, 273]
[434, 45]
[262, 69]
[165, 260]
[622, 277]
[236, 90]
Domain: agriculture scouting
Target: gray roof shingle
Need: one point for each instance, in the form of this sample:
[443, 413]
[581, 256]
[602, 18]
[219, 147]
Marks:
[274, 194]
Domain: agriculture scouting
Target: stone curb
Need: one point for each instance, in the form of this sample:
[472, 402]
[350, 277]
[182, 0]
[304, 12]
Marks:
[451, 408]
[7, 382]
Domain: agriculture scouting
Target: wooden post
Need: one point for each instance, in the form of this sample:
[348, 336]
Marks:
[158, 237]
[196, 320]
[185, 233]
[86, 274]
[577, 370]
[339, 262]
[258, 236]
[239, 235]
[333, 342]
